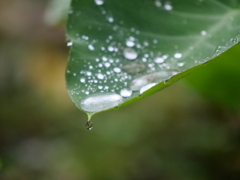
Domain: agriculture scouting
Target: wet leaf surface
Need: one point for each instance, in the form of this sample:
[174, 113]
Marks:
[123, 51]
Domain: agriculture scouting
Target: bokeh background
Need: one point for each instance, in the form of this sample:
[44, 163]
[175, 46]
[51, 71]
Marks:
[188, 131]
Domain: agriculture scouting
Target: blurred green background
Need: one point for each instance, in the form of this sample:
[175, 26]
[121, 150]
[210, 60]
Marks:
[176, 134]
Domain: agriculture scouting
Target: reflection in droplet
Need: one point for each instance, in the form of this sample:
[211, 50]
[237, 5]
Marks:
[125, 92]
[130, 53]
[99, 2]
[101, 101]
[133, 67]
[148, 86]
[89, 125]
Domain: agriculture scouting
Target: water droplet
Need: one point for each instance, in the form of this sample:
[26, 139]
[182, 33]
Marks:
[69, 43]
[82, 80]
[158, 3]
[125, 92]
[220, 49]
[90, 47]
[133, 67]
[139, 82]
[100, 102]
[177, 55]
[181, 64]
[130, 53]
[107, 64]
[89, 125]
[99, 2]
[159, 60]
[110, 19]
[203, 33]
[100, 76]
[168, 6]
[117, 70]
[144, 88]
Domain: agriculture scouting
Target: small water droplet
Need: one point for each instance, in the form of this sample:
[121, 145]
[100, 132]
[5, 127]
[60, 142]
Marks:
[159, 60]
[177, 55]
[181, 64]
[110, 19]
[101, 101]
[89, 125]
[117, 70]
[125, 92]
[69, 43]
[203, 33]
[168, 6]
[100, 76]
[158, 3]
[130, 53]
[99, 2]
[220, 49]
[90, 47]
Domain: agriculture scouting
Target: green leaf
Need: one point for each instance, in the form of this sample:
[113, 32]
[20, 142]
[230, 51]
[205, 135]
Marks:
[219, 80]
[123, 51]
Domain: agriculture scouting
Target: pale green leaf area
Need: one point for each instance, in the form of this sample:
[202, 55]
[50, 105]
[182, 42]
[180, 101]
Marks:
[123, 51]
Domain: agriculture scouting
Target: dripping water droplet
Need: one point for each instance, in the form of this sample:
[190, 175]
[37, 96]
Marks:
[89, 125]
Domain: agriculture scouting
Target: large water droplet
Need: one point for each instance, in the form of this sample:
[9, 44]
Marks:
[100, 102]
[133, 67]
[139, 82]
[130, 53]
[99, 2]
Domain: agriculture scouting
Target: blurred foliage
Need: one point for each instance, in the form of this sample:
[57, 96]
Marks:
[175, 134]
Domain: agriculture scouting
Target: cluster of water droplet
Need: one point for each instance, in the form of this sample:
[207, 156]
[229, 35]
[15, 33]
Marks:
[121, 65]
[124, 67]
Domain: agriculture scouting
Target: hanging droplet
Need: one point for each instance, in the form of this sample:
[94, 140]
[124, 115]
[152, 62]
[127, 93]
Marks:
[100, 101]
[130, 53]
[89, 125]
